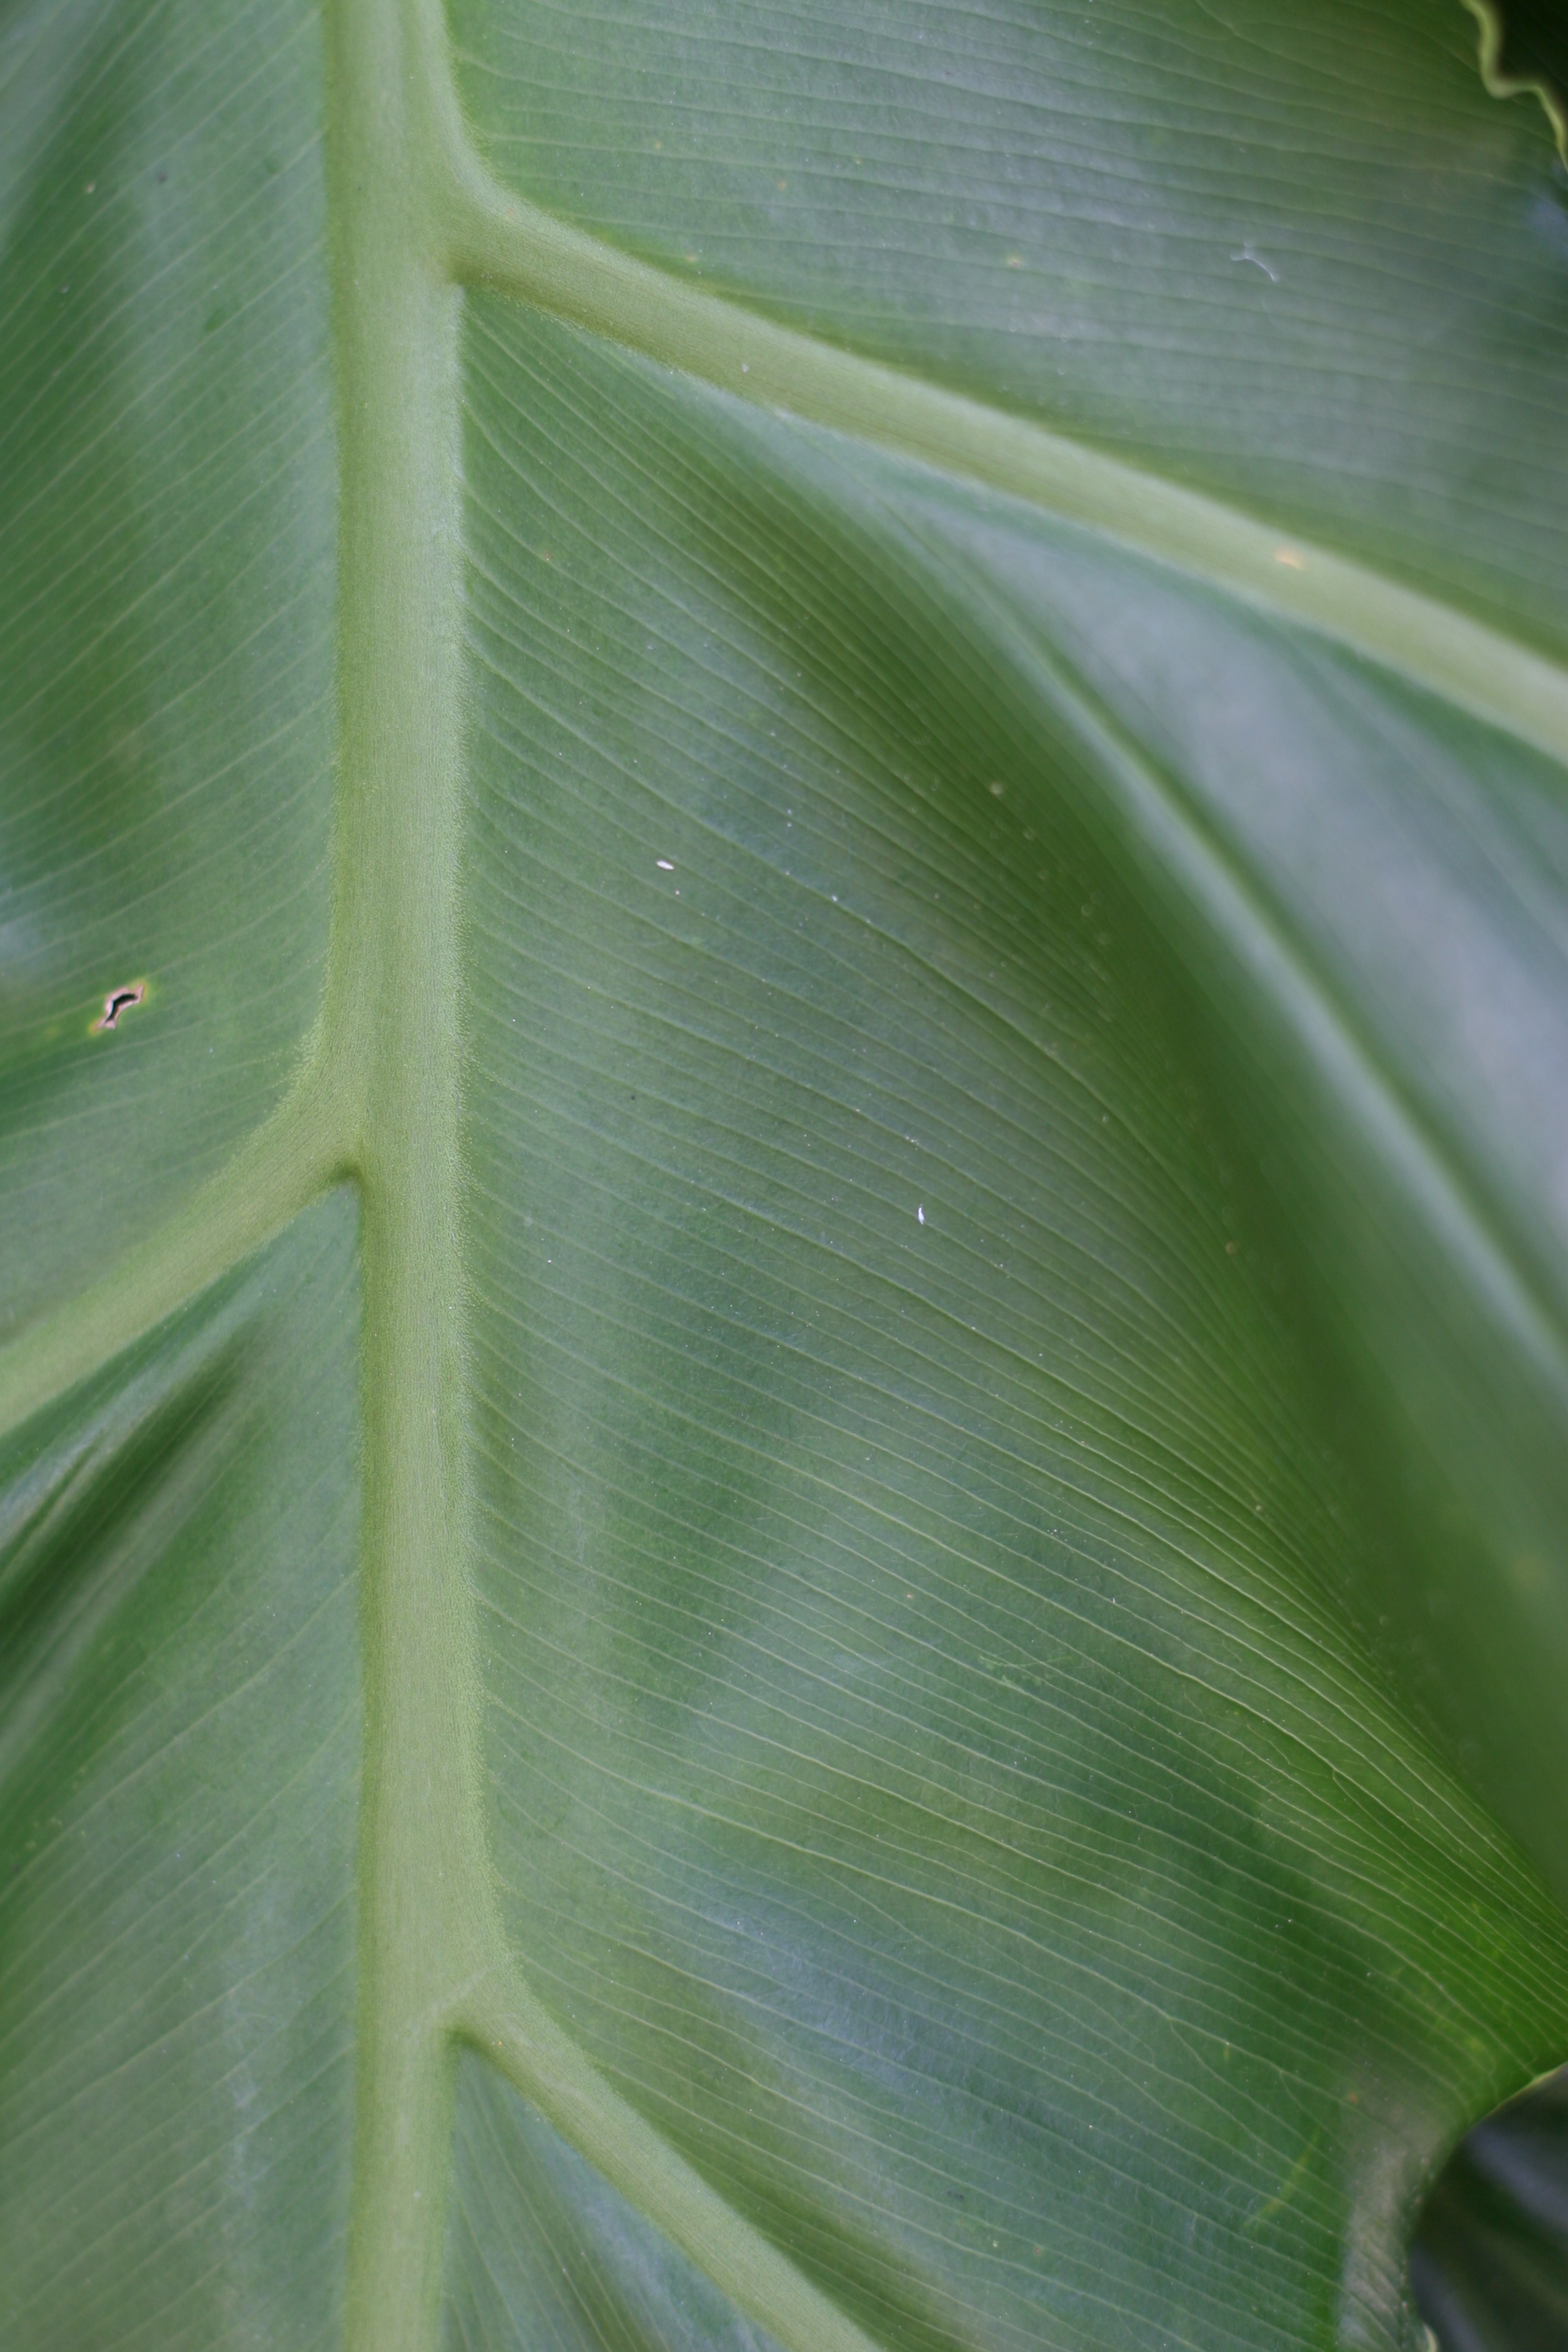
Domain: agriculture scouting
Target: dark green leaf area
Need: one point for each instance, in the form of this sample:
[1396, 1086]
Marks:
[1491, 2258]
[1535, 46]
[541, 2252]
[1370, 891]
[933, 1769]
[1296, 256]
[178, 1769]
[166, 502]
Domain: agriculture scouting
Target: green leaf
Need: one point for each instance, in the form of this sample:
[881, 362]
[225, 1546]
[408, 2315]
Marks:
[848, 1050]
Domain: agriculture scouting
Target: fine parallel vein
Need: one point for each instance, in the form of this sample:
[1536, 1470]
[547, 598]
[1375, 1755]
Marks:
[903, 1441]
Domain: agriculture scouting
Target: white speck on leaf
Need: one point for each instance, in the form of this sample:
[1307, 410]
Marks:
[921, 1214]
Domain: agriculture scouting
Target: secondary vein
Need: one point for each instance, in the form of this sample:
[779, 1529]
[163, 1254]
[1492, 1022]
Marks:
[496, 240]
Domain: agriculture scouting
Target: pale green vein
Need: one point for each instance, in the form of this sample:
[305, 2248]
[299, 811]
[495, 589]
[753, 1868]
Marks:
[279, 1171]
[424, 1928]
[506, 2025]
[497, 240]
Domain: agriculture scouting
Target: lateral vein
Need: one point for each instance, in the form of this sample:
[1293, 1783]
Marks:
[286, 1162]
[504, 2023]
[497, 241]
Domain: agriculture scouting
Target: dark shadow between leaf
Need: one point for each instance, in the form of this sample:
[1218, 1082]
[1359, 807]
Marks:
[1490, 2261]
[1524, 50]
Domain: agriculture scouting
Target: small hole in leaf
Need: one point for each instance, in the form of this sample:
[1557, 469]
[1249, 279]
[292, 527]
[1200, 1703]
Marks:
[1489, 2265]
[118, 1001]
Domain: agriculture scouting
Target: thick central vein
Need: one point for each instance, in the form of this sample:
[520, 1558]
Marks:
[392, 1009]
[432, 1969]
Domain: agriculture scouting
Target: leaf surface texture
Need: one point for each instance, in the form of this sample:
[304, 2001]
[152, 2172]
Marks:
[961, 1569]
